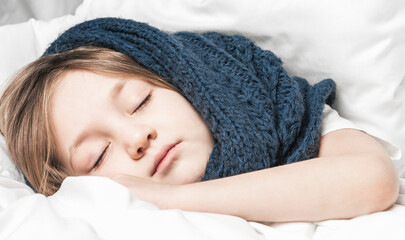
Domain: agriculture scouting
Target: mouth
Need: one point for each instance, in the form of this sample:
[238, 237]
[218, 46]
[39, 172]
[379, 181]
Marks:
[164, 157]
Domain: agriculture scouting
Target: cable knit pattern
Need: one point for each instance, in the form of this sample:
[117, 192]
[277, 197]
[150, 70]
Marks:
[259, 116]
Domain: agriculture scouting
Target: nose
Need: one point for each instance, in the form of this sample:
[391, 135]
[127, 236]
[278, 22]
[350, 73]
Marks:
[138, 141]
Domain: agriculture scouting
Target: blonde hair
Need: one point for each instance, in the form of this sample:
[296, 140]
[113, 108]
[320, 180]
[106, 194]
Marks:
[25, 107]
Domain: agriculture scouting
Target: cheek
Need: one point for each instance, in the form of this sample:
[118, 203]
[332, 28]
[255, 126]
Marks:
[194, 170]
[193, 164]
[118, 163]
[190, 121]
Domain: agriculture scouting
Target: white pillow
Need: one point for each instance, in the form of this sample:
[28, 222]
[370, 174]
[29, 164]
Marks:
[361, 45]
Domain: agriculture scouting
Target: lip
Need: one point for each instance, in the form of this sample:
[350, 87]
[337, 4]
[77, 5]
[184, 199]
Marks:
[164, 157]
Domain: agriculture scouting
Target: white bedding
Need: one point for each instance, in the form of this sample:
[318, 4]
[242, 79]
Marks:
[361, 45]
[99, 208]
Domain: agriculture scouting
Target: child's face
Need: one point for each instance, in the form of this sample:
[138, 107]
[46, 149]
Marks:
[94, 115]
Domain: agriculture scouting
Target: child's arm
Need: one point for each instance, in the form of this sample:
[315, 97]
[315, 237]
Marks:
[352, 176]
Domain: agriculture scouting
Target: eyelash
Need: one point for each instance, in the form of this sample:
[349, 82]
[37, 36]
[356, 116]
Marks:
[101, 157]
[144, 102]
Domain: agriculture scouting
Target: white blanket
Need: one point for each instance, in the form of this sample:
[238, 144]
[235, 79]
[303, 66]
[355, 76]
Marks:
[360, 45]
[99, 208]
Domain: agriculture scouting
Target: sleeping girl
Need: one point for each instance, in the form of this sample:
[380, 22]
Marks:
[200, 122]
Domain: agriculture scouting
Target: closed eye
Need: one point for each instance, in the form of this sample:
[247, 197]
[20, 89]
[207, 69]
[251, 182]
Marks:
[144, 102]
[101, 158]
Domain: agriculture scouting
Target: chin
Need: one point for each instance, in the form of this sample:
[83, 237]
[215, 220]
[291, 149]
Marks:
[186, 180]
[194, 179]
[185, 175]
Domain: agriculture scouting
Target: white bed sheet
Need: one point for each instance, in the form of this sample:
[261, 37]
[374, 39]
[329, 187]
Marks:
[368, 66]
[99, 208]
[17, 11]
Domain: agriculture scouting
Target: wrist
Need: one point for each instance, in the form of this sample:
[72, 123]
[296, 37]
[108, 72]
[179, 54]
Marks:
[178, 197]
[173, 197]
[206, 196]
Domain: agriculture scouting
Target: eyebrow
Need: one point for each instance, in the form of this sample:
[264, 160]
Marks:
[113, 95]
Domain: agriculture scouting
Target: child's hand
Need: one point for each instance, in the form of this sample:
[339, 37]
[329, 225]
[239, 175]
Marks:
[159, 194]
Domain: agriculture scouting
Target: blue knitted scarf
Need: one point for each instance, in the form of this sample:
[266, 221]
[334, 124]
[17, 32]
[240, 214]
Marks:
[259, 116]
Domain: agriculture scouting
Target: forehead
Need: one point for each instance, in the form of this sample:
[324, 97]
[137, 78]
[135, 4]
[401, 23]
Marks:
[76, 91]
[82, 80]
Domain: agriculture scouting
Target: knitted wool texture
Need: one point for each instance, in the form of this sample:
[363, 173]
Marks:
[259, 116]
